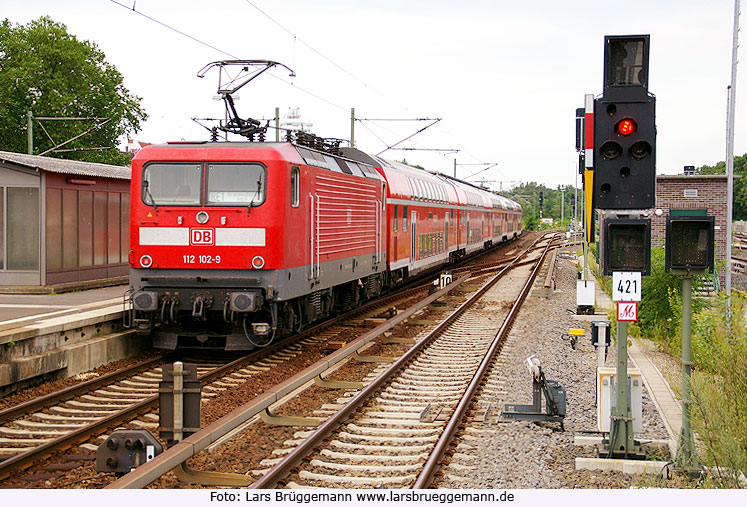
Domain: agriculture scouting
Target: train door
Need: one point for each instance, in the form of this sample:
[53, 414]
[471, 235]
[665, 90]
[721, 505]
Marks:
[413, 234]
[469, 231]
[380, 224]
[446, 232]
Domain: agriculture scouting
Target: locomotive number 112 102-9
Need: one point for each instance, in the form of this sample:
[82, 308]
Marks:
[201, 259]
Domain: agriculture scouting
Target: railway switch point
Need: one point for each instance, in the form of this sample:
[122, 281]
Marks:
[126, 450]
[554, 394]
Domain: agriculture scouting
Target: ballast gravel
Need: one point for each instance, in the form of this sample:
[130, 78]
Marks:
[520, 454]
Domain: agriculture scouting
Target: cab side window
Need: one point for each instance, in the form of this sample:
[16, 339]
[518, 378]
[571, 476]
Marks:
[295, 189]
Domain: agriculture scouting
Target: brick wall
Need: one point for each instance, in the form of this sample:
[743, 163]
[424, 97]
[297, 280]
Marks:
[711, 195]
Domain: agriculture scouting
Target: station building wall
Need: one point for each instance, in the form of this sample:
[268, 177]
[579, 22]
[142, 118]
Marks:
[67, 223]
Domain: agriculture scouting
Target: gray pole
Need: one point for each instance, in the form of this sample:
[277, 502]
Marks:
[277, 124]
[732, 94]
[686, 456]
[30, 132]
[352, 127]
[562, 206]
[455, 167]
[621, 425]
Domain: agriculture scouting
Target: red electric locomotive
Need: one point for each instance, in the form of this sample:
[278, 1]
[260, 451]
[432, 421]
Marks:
[236, 243]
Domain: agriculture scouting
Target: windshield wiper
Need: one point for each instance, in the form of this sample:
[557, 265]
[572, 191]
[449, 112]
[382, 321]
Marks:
[259, 189]
[146, 186]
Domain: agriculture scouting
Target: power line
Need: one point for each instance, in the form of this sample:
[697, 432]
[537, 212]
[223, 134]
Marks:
[322, 55]
[289, 83]
[195, 39]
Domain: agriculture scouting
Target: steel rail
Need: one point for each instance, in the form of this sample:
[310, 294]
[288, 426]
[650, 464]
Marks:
[70, 392]
[179, 453]
[292, 459]
[68, 439]
[425, 477]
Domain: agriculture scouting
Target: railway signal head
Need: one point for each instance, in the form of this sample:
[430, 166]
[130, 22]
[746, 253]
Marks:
[541, 199]
[626, 245]
[689, 244]
[625, 129]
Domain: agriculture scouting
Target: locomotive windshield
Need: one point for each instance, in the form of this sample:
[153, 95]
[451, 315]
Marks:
[235, 184]
[172, 184]
[180, 184]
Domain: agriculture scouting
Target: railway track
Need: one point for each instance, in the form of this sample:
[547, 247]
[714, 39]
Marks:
[81, 414]
[404, 428]
[74, 416]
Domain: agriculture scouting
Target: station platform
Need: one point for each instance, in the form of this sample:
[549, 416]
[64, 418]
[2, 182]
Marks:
[22, 310]
[48, 337]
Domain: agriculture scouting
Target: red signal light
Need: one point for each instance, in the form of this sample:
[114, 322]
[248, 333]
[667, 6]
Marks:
[626, 127]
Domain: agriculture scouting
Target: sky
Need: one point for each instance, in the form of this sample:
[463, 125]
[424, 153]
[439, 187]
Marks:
[505, 77]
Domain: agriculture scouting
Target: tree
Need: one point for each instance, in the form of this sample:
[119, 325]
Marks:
[527, 194]
[740, 184]
[46, 70]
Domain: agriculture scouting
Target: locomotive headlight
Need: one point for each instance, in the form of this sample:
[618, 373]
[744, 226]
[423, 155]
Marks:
[258, 262]
[250, 301]
[145, 301]
[202, 217]
[146, 261]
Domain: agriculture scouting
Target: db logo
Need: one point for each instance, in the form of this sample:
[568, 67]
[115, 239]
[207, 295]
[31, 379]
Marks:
[627, 311]
[201, 236]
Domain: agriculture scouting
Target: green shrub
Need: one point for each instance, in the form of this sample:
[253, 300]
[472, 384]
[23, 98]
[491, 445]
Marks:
[660, 310]
[655, 309]
[719, 387]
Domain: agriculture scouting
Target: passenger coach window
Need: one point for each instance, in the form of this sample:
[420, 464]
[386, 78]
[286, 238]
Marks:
[395, 218]
[404, 218]
[172, 184]
[295, 187]
[235, 184]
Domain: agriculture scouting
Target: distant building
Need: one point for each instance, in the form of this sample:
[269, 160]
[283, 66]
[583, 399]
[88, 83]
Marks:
[692, 195]
[132, 146]
[62, 221]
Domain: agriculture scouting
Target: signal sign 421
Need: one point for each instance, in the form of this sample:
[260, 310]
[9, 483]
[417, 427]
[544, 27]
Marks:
[626, 286]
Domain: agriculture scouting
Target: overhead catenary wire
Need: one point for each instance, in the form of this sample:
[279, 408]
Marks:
[210, 46]
[289, 83]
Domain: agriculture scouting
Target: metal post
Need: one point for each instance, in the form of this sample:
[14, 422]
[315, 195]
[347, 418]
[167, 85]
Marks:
[277, 124]
[352, 127]
[178, 401]
[455, 167]
[30, 132]
[732, 94]
[575, 203]
[686, 456]
[621, 441]
[601, 342]
[562, 206]
[586, 242]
